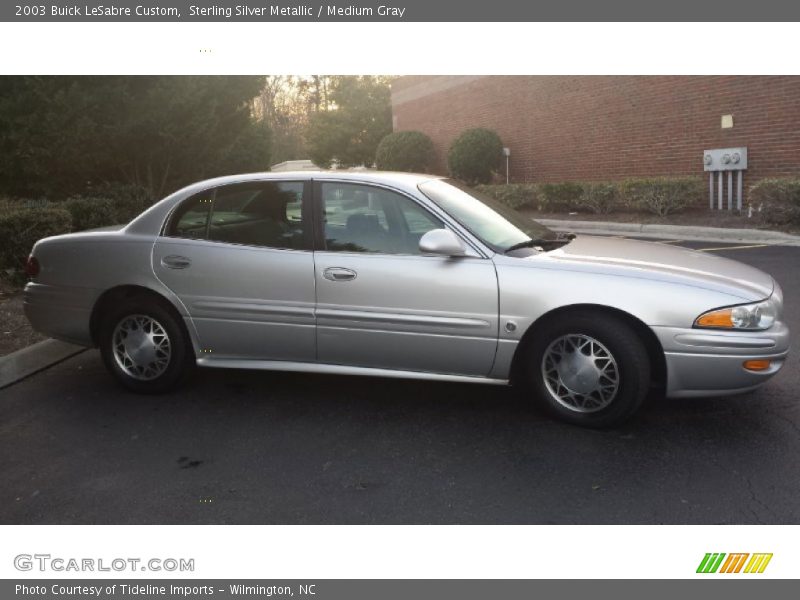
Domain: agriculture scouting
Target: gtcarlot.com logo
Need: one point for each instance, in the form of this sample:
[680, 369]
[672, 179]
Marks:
[739, 562]
[46, 562]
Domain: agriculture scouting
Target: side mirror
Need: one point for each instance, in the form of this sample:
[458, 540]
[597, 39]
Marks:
[442, 242]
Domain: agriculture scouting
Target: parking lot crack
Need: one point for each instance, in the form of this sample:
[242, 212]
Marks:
[791, 423]
[754, 497]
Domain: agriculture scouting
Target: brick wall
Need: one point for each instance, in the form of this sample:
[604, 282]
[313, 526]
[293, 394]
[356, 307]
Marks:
[593, 128]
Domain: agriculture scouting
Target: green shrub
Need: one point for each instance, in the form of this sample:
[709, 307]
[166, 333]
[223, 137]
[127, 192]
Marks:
[20, 228]
[560, 196]
[410, 151]
[662, 195]
[600, 198]
[16, 203]
[129, 200]
[90, 212]
[475, 156]
[515, 195]
[776, 200]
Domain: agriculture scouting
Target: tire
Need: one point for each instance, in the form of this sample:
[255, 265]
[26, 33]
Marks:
[158, 356]
[609, 379]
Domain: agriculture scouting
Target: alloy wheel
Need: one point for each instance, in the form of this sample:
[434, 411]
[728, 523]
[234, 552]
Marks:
[580, 373]
[141, 346]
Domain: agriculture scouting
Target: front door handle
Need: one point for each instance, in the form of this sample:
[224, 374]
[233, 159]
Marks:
[174, 261]
[339, 274]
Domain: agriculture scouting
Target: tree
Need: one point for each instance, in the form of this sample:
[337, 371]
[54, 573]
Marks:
[353, 114]
[475, 155]
[410, 151]
[284, 104]
[61, 135]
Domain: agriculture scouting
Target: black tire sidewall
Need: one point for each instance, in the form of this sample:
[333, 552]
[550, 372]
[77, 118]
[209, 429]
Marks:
[624, 344]
[180, 360]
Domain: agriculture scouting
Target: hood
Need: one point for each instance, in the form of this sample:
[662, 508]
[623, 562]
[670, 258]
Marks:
[664, 262]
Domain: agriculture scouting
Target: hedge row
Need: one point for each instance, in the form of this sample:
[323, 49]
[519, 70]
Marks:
[23, 222]
[776, 201]
[21, 227]
[660, 196]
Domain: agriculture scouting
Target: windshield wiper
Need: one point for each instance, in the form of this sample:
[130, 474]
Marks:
[526, 244]
[559, 240]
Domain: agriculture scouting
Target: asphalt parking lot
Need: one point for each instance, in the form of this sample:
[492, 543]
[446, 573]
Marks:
[250, 447]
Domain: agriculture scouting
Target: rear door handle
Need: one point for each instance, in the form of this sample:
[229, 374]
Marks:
[339, 274]
[174, 261]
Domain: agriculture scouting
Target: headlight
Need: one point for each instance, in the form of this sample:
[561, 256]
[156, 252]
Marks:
[753, 317]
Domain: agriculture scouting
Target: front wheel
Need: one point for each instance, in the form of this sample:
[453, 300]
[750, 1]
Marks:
[144, 347]
[587, 369]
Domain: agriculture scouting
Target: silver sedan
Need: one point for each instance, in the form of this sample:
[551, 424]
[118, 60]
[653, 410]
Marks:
[400, 275]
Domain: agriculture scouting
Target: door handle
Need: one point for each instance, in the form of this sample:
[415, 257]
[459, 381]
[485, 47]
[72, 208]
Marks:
[339, 274]
[174, 261]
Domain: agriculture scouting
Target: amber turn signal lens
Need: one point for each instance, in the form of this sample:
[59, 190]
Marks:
[718, 318]
[756, 365]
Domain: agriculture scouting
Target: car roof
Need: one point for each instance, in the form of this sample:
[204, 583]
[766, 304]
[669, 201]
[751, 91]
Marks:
[344, 175]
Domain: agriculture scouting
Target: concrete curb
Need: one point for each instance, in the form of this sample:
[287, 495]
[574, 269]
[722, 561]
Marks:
[24, 363]
[682, 232]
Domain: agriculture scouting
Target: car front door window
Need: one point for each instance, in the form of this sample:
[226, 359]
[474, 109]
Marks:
[360, 218]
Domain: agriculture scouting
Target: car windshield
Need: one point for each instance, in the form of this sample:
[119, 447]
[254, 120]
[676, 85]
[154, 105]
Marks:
[498, 226]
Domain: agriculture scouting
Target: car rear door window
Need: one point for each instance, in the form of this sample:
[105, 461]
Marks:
[191, 219]
[268, 214]
[362, 218]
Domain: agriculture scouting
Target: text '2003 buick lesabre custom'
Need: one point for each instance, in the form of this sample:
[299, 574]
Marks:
[400, 275]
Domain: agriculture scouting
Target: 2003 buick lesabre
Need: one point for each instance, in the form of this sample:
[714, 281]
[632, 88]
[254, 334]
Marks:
[401, 275]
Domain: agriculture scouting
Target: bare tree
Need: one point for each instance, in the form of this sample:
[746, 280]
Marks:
[286, 103]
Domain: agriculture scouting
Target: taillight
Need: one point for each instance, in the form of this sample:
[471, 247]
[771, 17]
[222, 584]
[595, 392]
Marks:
[32, 267]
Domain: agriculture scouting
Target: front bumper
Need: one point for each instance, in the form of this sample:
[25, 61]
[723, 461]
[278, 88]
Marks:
[710, 363]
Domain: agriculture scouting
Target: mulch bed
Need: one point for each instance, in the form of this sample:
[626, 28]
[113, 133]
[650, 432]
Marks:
[15, 331]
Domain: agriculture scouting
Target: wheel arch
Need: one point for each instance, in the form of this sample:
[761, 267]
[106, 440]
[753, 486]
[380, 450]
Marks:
[655, 352]
[116, 294]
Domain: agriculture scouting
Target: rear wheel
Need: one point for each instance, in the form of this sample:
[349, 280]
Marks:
[588, 369]
[145, 347]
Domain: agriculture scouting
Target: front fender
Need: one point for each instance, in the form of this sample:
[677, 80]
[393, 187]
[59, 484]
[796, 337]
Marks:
[527, 293]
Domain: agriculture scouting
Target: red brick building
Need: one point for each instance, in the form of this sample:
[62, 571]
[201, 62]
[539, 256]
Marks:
[594, 128]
